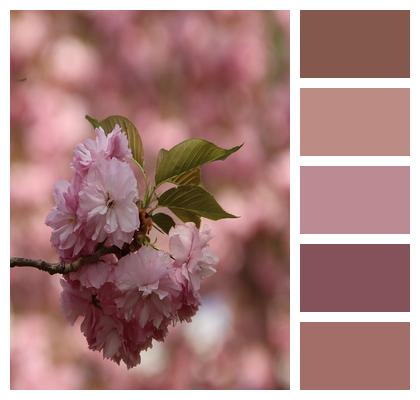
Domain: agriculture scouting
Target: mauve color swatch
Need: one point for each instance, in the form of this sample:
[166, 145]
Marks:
[355, 355]
[355, 122]
[355, 200]
[355, 278]
[355, 44]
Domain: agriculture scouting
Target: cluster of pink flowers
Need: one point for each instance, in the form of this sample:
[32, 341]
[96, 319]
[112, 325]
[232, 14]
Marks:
[124, 303]
[99, 204]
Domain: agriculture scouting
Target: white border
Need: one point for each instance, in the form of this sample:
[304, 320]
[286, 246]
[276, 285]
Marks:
[294, 6]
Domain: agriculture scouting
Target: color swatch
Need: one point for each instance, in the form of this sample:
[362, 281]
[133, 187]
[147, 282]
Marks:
[355, 355]
[355, 122]
[355, 277]
[355, 44]
[355, 199]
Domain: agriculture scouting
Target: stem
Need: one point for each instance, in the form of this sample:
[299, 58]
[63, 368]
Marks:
[157, 228]
[141, 170]
[148, 196]
[64, 267]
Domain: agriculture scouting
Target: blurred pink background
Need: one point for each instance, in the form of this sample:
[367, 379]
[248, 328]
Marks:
[222, 76]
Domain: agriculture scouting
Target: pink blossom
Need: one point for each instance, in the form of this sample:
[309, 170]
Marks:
[108, 202]
[117, 144]
[117, 338]
[194, 261]
[76, 301]
[189, 247]
[149, 289]
[93, 275]
[189, 301]
[125, 305]
[104, 329]
[99, 203]
[68, 234]
[91, 151]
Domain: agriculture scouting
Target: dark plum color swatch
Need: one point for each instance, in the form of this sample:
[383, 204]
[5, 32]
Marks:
[355, 277]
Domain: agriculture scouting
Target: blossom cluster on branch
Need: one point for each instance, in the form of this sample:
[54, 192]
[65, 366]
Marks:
[126, 304]
[99, 204]
[129, 292]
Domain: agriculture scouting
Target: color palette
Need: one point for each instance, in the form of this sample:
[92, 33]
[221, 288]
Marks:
[355, 122]
[355, 44]
[355, 355]
[355, 277]
[355, 199]
[344, 191]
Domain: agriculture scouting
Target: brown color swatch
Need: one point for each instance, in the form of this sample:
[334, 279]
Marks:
[355, 44]
[355, 199]
[355, 122]
[355, 355]
[355, 277]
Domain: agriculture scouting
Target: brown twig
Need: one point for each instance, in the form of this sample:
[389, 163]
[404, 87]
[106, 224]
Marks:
[65, 267]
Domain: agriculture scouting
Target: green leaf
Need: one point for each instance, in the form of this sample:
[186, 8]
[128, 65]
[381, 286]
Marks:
[192, 177]
[162, 153]
[163, 221]
[187, 216]
[134, 139]
[93, 121]
[186, 156]
[193, 199]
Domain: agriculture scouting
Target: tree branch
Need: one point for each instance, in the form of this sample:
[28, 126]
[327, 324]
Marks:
[65, 267]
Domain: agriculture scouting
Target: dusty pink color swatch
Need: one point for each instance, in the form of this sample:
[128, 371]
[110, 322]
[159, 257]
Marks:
[355, 355]
[355, 122]
[355, 200]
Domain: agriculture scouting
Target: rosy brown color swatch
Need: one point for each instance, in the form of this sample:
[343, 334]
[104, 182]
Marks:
[355, 44]
[355, 122]
[355, 355]
[355, 200]
[355, 277]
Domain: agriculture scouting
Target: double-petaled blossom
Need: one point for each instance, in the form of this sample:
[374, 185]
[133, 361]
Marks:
[91, 294]
[68, 236]
[113, 145]
[150, 291]
[193, 261]
[99, 204]
[107, 202]
[192, 255]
